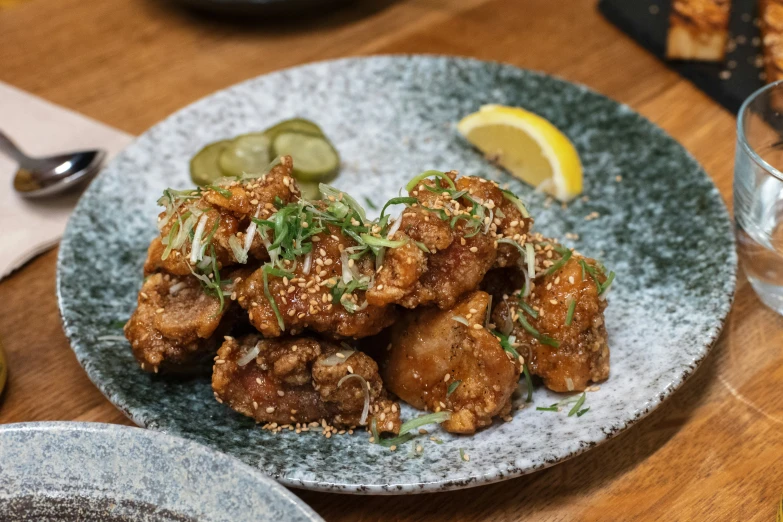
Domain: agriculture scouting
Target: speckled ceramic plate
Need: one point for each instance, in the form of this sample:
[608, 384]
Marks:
[663, 228]
[68, 471]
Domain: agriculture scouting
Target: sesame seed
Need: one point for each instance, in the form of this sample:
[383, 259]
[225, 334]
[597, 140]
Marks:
[270, 409]
[160, 311]
[259, 381]
[477, 327]
[571, 279]
[380, 287]
[474, 249]
[280, 393]
[446, 377]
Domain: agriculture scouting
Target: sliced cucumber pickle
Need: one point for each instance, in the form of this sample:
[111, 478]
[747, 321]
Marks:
[314, 157]
[295, 125]
[204, 167]
[246, 154]
[309, 190]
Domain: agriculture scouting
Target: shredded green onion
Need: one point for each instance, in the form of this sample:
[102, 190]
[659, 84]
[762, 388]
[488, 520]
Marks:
[566, 255]
[528, 309]
[220, 190]
[570, 313]
[370, 203]
[373, 241]
[422, 246]
[543, 339]
[328, 190]
[408, 426]
[452, 387]
[582, 412]
[429, 174]
[528, 382]
[397, 201]
[268, 270]
[577, 405]
[516, 201]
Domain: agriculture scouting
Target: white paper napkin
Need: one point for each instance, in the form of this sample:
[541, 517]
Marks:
[40, 128]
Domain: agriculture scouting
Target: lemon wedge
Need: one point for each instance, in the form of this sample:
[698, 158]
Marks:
[528, 146]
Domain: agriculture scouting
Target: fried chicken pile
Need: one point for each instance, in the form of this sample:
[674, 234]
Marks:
[316, 317]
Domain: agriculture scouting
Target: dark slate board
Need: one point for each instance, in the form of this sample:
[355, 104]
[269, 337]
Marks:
[647, 22]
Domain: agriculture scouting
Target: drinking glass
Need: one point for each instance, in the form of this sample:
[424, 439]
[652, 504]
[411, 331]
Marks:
[758, 192]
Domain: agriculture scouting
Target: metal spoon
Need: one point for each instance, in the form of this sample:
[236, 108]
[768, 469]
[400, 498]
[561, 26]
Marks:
[41, 177]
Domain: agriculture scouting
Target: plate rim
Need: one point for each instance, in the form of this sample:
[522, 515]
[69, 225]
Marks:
[59, 429]
[711, 336]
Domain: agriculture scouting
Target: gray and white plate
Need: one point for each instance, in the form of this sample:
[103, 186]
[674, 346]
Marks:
[663, 228]
[72, 471]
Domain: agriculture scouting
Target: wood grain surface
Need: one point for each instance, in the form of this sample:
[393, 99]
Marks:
[714, 451]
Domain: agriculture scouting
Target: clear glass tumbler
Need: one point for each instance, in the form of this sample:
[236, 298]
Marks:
[758, 192]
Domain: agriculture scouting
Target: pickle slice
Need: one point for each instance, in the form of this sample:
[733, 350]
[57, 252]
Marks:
[315, 159]
[246, 154]
[204, 167]
[310, 190]
[295, 125]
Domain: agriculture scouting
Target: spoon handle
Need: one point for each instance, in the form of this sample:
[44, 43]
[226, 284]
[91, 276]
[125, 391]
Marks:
[10, 149]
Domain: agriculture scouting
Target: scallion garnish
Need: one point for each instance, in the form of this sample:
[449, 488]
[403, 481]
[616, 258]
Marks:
[528, 382]
[570, 313]
[578, 404]
[516, 201]
[265, 271]
[220, 190]
[505, 343]
[453, 386]
[543, 339]
[582, 412]
[528, 309]
[553, 407]
[373, 241]
[566, 255]
[370, 203]
[422, 246]
[404, 434]
[429, 174]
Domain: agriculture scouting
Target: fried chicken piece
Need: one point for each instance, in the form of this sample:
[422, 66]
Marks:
[455, 255]
[430, 351]
[507, 218]
[582, 353]
[307, 301]
[177, 262]
[227, 212]
[176, 325]
[298, 380]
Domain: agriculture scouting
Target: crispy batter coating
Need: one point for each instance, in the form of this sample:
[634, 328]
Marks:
[231, 215]
[507, 220]
[307, 300]
[295, 380]
[583, 353]
[176, 326]
[430, 351]
[457, 256]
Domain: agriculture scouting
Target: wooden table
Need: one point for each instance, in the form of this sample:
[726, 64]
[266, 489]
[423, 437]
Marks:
[714, 451]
